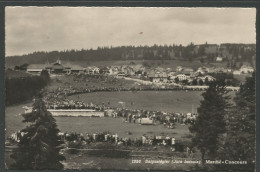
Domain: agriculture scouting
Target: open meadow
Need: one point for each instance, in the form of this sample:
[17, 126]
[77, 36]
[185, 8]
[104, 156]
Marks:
[168, 101]
[95, 125]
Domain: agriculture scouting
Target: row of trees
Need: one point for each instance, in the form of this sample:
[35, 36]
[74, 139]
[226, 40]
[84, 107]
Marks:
[19, 89]
[227, 131]
[156, 52]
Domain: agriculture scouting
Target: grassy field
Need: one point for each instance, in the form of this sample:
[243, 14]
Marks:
[92, 125]
[115, 125]
[169, 101]
[13, 123]
[172, 101]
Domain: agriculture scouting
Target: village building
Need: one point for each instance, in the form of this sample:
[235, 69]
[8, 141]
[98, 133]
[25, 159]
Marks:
[75, 69]
[246, 69]
[104, 70]
[220, 70]
[159, 69]
[54, 68]
[210, 78]
[179, 68]
[168, 69]
[187, 71]
[35, 68]
[219, 59]
[211, 70]
[158, 78]
[202, 70]
[114, 70]
[236, 72]
[207, 77]
[89, 70]
[96, 70]
[172, 77]
[92, 70]
[129, 71]
[121, 75]
[182, 77]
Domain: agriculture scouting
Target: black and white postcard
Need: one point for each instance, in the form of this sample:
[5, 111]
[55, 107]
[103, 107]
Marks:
[136, 88]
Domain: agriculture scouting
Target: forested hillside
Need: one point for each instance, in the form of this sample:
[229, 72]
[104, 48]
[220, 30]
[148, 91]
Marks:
[205, 52]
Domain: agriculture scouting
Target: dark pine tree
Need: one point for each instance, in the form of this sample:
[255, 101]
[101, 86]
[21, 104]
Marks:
[240, 139]
[210, 123]
[39, 148]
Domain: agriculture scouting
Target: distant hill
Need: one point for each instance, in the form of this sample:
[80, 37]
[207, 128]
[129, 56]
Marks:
[205, 52]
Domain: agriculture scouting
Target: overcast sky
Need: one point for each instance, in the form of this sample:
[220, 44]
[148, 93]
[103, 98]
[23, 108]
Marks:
[30, 29]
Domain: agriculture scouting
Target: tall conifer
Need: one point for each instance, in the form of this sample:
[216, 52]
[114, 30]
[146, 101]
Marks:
[240, 140]
[39, 148]
[210, 123]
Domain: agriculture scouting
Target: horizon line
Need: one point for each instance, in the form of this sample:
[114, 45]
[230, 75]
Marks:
[109, 46]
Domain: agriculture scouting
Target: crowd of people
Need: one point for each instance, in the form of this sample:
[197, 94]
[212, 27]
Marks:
[85, 139]
[68, 91]
[57, 99]
[129, 115]
[114, 138]
[166, 118]
[60, 101]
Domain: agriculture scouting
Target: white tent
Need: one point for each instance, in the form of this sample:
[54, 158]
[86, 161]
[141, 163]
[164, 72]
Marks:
[146, 121]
